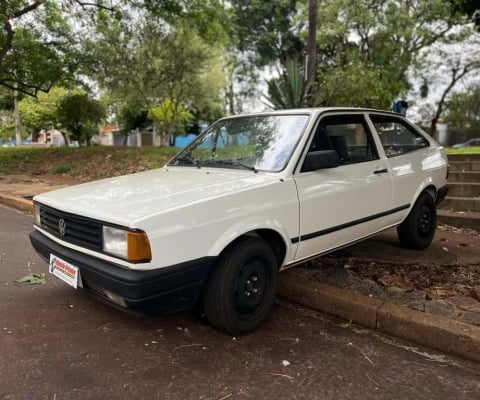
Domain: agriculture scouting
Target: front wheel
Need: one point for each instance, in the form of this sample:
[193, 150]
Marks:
[241, 291]
[418, 229]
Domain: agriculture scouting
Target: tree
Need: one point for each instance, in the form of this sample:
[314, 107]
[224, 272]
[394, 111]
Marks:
[312, 47]
[470, 8]
[456, 73]
[80, 115]
[290, 89]
[376, 41]
[39, 43]
[168, 116]
[41, 112]
[153, 63]
[267, 30]
[262, 34]
[462, 110]
[446, 65]
[131, 115]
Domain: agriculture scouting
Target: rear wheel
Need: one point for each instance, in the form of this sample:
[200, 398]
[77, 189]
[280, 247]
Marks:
[418, 229]
[240, 293]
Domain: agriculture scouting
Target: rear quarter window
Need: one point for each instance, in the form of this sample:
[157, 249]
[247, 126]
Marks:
[397, 136]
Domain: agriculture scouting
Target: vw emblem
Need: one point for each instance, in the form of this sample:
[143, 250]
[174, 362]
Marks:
[62, 226]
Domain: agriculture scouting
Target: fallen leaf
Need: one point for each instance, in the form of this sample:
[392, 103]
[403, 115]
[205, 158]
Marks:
[34, 279]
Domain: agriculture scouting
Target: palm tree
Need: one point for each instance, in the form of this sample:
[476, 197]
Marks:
[290, 89]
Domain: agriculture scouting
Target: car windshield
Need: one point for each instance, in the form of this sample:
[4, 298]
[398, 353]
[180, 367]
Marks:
[262, 142]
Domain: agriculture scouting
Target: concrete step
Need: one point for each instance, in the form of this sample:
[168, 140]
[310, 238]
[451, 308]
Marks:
[467, 176]
[460, 166]
[464, 189]
[462, 219]
[460, 204]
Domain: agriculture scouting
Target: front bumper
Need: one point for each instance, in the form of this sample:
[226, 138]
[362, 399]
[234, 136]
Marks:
[158, 291]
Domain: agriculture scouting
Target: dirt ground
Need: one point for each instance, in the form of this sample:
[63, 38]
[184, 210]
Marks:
[443, 279]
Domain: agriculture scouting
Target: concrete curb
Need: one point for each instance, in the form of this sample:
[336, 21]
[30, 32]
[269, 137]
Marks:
[433, 331]
[441, 333]
[16, 202]
[465, 220]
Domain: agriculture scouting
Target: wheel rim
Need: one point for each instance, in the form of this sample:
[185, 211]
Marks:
[251, 285]
[424, 221]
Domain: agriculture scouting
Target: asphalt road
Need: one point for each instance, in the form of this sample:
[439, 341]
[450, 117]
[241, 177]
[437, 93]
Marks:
[58, 343]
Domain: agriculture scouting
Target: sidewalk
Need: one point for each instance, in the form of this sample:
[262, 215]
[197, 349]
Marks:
[336, 284]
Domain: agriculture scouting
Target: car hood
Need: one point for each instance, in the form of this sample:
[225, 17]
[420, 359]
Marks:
[125, 199]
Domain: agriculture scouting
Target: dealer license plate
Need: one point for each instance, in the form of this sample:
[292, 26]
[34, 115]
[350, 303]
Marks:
[65, 271]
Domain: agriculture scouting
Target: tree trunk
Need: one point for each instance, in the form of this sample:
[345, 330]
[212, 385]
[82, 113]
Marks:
[35, 132]
[433, 126]
[312, 50]
[16, 113]
[231, 99]
[457, 74]
[65, 137]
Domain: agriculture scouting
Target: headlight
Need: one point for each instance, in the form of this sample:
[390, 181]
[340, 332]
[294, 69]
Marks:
[36, 214]
[130, 245]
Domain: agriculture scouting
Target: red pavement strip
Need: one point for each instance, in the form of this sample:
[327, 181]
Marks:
[438, 332]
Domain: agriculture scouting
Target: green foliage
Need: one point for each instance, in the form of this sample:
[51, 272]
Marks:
[290, 89]
[80, 115]
[147, 64]
[469, 8]
[7, 125]
[463, 111]
[355, 85]
[41, 112]
[367, 48]
[6, 99]
[33, 279]
[63, 169]
[108, 160]
[169, 116]
[463, 150]
[40, 42]
[267, 30]
[132, 115]
[207, 18]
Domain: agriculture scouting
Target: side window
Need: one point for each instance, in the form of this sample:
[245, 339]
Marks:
[397, 136]
[348, 135]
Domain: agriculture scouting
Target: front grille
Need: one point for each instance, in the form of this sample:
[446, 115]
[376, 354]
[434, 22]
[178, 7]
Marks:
[72, 228]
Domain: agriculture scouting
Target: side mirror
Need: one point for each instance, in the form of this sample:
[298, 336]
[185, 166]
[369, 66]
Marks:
[320, 160]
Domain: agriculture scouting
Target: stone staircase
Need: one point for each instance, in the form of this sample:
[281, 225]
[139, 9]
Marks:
[463, 184]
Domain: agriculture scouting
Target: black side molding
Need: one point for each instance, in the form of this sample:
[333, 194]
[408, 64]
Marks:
[348, 224]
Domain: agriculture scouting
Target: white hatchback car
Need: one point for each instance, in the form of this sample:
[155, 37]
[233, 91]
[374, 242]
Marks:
[253, 195]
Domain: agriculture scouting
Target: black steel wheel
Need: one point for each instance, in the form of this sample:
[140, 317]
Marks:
[241, 291]
[418, 229]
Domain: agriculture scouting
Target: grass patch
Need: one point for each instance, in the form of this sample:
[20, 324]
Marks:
[463, 150]
[63, 169]
[85, 163]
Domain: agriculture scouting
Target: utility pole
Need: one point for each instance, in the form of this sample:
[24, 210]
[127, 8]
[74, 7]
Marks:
[16, 115]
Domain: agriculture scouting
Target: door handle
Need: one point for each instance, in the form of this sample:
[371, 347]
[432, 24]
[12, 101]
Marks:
[380, 171]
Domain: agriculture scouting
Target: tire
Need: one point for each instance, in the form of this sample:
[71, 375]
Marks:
[240, 293]
[418, 229]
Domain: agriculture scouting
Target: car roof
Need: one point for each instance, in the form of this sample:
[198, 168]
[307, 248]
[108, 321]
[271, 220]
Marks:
[317, 110]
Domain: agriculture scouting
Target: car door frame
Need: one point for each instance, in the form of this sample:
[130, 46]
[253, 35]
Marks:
[324, 236]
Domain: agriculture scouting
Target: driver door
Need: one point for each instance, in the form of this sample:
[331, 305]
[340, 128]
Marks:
[349, 202]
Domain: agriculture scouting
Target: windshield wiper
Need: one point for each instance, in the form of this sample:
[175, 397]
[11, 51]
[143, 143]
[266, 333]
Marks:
[234, 163]
[191, 160]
